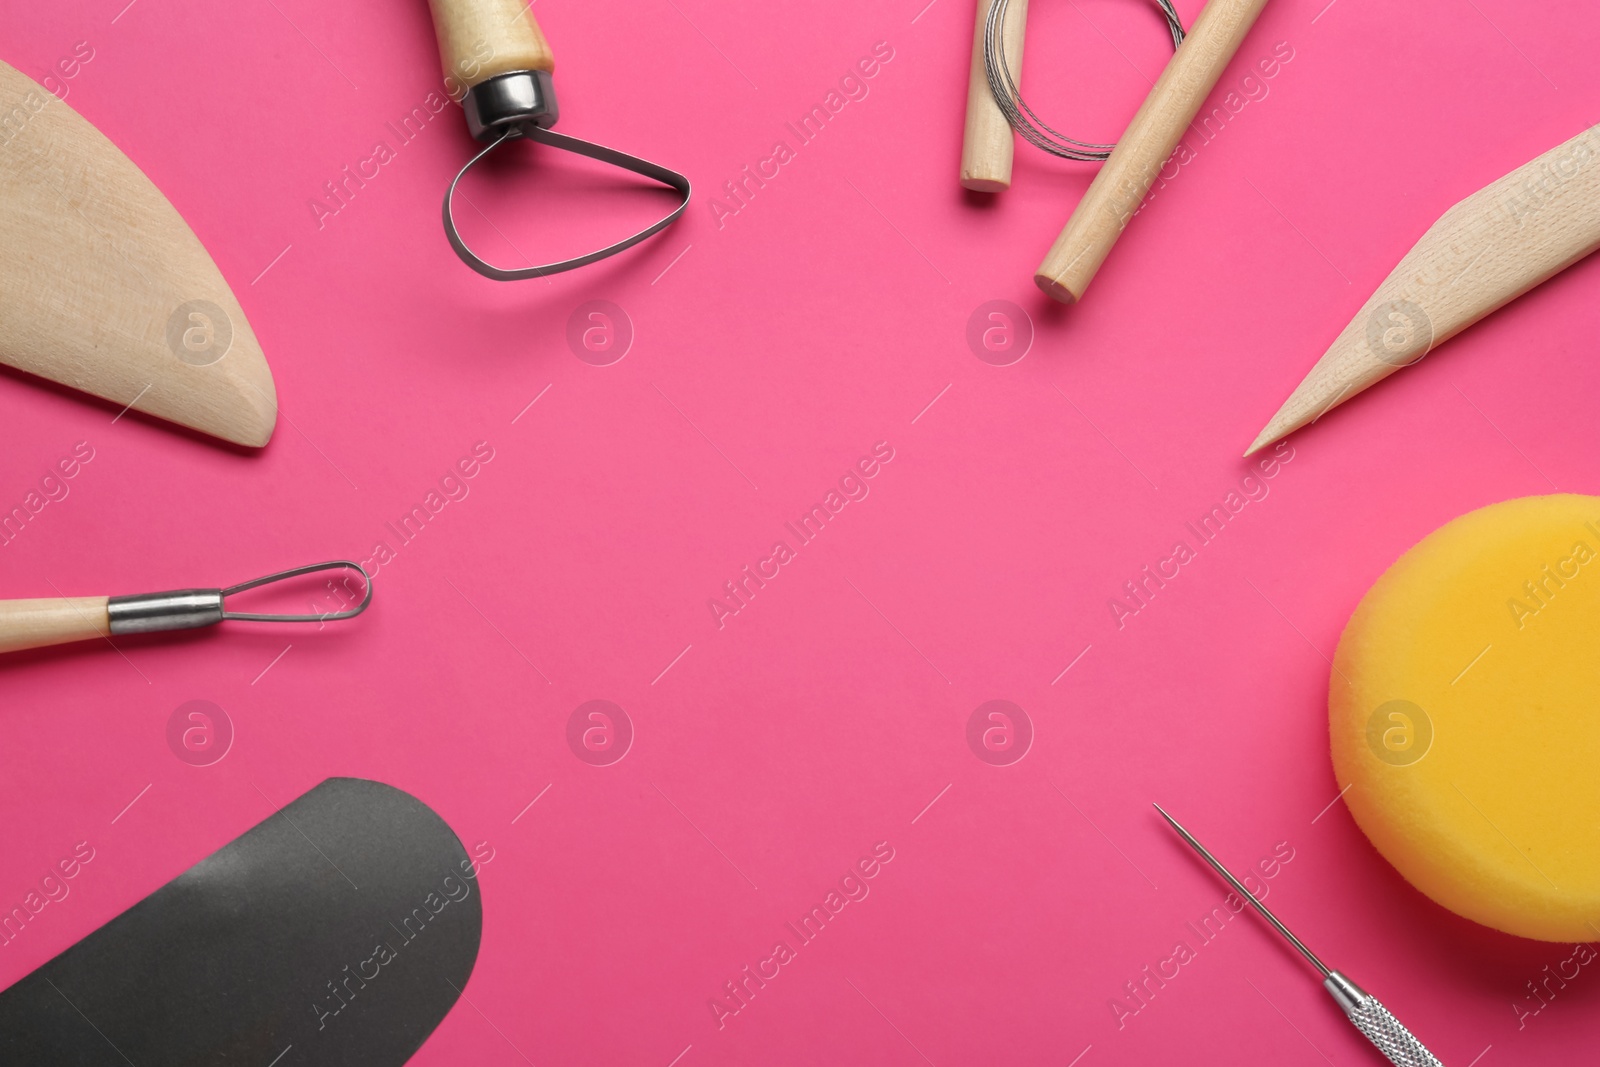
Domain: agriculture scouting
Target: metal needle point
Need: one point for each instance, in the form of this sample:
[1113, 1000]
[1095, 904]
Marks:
[1249, 897]
[1363, 1009]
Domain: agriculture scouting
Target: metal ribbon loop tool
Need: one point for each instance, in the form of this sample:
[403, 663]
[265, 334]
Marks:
[499, 52]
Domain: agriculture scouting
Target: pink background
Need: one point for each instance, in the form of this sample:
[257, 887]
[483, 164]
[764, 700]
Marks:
[773, 352]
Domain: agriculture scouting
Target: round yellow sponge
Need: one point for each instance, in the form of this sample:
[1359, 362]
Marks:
[1464, 708]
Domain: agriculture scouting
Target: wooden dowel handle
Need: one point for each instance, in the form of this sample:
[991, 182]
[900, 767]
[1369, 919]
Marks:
[988, 142]
[37, 623]
[480, 39]
[1119, 188]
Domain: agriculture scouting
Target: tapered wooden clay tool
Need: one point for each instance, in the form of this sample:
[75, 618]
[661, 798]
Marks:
[103, 286]
[1118, 190]
[987, 143]
[497, 50]
[1482, 254]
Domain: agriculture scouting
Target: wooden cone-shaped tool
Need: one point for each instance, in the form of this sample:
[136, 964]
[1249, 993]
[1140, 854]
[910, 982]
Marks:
[1482, 254]
[103, 286]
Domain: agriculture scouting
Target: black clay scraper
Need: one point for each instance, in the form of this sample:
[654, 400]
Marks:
[497, 49]
[339, 931]
[105, 289]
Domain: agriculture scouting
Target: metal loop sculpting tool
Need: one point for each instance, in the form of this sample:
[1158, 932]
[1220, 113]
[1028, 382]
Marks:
[39, 623]
[1369, 1016]
[496, 49]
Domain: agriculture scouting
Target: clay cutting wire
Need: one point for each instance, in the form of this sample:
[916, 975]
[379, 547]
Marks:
[1023, 119]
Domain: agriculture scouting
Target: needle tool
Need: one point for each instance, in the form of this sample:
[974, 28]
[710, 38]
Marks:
[1369, 1016]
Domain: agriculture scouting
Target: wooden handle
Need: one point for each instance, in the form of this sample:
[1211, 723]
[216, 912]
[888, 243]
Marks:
[1119, 188]
[1482, 254]
[480, 39]
[37, 623]
[988, 143]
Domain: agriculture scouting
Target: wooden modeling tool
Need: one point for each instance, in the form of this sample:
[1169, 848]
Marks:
[496, 49]
[103, 286]
[988, 143]
[1482, 254]
[1118, 190]
[41, 623]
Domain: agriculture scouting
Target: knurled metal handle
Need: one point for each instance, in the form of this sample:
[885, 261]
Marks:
[1391, 1036]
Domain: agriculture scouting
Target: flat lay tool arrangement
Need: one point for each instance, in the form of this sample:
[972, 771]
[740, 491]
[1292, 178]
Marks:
[629, 762]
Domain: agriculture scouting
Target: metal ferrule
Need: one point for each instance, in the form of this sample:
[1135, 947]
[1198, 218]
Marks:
[520, 98]
[180, 609]
[1350, 996]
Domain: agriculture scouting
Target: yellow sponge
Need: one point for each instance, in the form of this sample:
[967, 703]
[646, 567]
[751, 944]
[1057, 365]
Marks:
[1464, 708]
